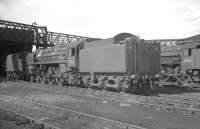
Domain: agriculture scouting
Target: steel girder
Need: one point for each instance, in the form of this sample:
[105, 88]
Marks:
[36, 35]
[61, 38]
[23, 33]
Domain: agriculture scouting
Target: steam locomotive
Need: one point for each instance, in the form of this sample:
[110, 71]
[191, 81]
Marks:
[124, 62]
[190, 61]
[170, 62]
[180, 63]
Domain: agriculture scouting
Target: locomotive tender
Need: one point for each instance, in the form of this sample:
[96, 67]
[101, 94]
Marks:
[122, 62]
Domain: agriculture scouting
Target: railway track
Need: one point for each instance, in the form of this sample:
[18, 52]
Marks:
[165, 102]
[29, 120]
[118, 124]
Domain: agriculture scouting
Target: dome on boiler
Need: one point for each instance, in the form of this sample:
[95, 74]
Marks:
[121, 36]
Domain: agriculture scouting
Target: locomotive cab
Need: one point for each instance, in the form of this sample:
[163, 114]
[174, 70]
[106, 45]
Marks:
[72, 57]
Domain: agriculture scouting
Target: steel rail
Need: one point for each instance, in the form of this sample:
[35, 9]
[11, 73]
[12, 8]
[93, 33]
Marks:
[182, 97]
[46, 125]
[78, 112]
[178, 99]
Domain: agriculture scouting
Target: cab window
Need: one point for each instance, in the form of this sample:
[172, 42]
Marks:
[187, 52]
[72, 51]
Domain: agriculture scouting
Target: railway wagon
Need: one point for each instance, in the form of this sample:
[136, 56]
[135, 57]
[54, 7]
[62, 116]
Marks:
[16, 66]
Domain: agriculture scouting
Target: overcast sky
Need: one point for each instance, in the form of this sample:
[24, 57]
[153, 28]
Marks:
[151, 19]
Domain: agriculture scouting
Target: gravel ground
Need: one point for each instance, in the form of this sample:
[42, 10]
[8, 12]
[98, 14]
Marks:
[146, 116]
